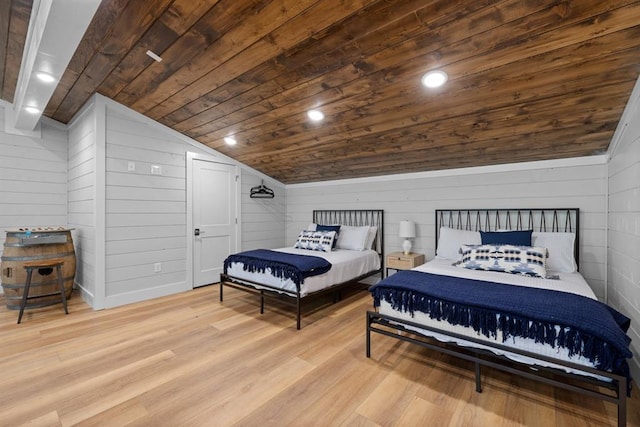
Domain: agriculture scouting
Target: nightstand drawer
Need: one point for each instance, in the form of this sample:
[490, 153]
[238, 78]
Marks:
[400, 263]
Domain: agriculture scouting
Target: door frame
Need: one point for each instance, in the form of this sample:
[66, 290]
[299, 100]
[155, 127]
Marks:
[191, 156]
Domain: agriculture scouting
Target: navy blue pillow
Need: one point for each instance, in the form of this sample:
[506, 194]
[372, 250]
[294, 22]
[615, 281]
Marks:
[336, 228]
[516, 238]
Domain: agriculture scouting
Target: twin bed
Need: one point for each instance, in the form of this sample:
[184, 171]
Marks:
[356, 255]
[518, 322]
[465, 302]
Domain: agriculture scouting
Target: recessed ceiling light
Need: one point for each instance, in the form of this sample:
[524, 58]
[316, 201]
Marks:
[434, 78]
[45, 77]
[32, 110]
[315, 115]
[230, 140]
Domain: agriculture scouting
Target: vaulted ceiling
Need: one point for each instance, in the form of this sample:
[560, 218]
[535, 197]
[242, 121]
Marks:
[528, 80]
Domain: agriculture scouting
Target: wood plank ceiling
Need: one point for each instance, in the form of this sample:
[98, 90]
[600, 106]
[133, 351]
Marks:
[528, 80]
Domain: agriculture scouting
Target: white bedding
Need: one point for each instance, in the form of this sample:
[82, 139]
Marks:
[345, 265]
[569, 282]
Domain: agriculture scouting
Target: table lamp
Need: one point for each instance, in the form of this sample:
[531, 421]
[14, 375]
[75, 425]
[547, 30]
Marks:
[407, 232]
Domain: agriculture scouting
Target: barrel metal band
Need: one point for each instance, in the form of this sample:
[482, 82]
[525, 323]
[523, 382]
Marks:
[34, 284]
[36, 257]
[20, 245]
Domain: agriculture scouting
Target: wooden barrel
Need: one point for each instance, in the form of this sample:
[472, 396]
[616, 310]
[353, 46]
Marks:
[42, 243]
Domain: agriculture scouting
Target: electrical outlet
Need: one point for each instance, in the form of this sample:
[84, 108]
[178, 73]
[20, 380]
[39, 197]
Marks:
[157, 267]
[156, 170]
[131, 166]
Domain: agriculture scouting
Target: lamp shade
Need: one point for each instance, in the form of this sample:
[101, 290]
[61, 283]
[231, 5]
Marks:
[407, 229]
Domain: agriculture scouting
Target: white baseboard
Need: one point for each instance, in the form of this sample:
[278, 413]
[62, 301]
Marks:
[144, 294]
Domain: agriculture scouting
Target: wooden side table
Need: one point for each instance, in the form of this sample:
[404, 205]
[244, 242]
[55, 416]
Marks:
[400, 261]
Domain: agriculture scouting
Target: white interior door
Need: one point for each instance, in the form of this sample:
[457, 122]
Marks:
[215, 225]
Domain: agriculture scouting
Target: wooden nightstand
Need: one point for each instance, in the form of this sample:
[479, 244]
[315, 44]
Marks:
[400, 261]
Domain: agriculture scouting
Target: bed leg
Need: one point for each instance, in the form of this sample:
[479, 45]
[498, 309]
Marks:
[478, 378]
[298, 312]
[622, 402]
[368, 336]
[261, 302]
[221, 286]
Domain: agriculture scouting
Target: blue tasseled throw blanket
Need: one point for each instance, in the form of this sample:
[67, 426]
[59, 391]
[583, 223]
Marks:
[588, 327]
[283, 265]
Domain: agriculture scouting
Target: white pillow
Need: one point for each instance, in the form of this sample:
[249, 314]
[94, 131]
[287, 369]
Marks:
[560, 246]
[353, 238]
[451, 239]
[371, 237]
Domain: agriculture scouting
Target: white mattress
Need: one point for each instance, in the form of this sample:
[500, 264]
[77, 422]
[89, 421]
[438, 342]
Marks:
[345, 265]
[569, 282]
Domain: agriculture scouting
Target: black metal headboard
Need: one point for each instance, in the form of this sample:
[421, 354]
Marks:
[551, 220]
[359, 217]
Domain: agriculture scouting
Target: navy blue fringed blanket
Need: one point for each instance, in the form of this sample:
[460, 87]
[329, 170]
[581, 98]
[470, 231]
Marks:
[587, 327]
[282, 265]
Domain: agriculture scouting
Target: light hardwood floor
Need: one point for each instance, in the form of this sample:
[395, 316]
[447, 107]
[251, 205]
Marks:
[189, 360]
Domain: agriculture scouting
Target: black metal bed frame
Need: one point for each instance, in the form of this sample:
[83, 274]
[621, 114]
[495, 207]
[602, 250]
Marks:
[357, 217]
[495, 219]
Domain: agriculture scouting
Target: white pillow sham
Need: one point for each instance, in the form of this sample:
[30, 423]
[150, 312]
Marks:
[451, 240]
[560, 247]
[371, 237]
[353, 238]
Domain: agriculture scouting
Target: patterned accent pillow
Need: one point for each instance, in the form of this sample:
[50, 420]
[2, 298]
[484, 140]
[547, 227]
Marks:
[524, 260]
[315, 240]
[336, 228]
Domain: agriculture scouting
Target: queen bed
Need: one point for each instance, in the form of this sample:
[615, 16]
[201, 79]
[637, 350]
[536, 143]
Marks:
[314, 266]
[540, 315]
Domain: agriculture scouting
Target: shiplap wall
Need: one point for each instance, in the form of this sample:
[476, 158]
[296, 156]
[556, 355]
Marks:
[33, 178]
[263, 220]
[82, 199]
[416, 198]
[146, 213]
[624, 231]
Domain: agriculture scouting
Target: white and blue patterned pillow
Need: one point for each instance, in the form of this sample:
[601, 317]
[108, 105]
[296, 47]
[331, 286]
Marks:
[315, 240]
[524, 260]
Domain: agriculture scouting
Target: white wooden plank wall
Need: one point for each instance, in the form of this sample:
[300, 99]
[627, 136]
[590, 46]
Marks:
[81, 196]
[146, 213]
[263, 220]
[416, 199]
[624, 232]
[33, 179]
